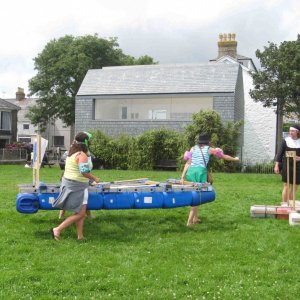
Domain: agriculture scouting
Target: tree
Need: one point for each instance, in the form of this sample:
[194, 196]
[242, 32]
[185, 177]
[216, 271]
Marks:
[277, 84]
[61, 67]
[223, 135]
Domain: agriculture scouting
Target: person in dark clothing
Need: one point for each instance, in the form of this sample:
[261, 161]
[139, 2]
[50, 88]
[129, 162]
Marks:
[29, 149]
[291, 143]
[45, 160]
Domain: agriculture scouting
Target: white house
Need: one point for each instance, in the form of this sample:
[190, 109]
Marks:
[57, 134]
[8, 123]
[132, 99]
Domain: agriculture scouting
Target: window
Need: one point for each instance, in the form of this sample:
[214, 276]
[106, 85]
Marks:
[134, 116]
[58, 141]
[25, 139]
[93, 109]
[26, 126]
[157, 114]
[3, 142]
[151, 108]
[124, 113]
[5, 120]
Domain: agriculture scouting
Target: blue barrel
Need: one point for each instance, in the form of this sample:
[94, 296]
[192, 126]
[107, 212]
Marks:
[199, 198]
[95, 200]
[207, 196]
[27, 203]
[148, 200]
[177, 199]
[46, 200]
[31, 202]
[124, 200]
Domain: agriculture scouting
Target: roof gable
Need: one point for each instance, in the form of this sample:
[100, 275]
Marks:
[8, 106]
[244, 61]
[160, 79]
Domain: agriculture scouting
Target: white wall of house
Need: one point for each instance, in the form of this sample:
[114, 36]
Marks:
[26, 130]
[57, 134]
[259, 128]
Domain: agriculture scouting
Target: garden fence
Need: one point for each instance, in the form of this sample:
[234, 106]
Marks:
[263, 167]
[13, 155]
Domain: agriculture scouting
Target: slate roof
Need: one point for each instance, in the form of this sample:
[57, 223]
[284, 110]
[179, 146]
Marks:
[243, 57]
[160, 79]
[238, 57]
[7, 105]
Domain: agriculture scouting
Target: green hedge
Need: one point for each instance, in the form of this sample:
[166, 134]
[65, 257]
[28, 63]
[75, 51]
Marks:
[142, 152]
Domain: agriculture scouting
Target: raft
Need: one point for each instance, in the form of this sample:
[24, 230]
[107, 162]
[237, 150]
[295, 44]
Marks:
[126, 194]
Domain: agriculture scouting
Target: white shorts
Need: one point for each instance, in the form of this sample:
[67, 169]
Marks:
[86, 196]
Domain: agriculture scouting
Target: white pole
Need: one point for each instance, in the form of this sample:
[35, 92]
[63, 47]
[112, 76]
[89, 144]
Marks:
[36, 161]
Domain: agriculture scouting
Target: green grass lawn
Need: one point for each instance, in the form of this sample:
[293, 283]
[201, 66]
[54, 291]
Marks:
[151, 254]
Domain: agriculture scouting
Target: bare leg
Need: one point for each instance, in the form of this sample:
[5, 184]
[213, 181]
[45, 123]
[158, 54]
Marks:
[89, 214]
[69, 221]
[196, 217]
[79, 225]
[192, 214]
[61, 214]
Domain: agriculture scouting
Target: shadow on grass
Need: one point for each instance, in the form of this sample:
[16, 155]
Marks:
[139, 226]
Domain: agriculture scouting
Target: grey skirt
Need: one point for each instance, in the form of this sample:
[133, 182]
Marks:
[71, 195]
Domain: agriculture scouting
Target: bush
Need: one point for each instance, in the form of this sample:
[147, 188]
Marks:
[223, 135]
[113, 153]
[154, 145]
[121, 152]
[143, 152]
[100, 147]
[16, 145]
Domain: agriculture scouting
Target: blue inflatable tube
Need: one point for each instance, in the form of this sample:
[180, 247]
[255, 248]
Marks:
[106, 196]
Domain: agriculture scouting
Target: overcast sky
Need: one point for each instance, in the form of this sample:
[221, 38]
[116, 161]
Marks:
[170, 31]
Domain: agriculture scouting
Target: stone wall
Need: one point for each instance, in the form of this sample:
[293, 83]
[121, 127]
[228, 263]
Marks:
[224, 106]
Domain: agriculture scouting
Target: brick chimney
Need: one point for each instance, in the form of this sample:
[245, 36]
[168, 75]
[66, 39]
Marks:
[20, 95]
[227, 45]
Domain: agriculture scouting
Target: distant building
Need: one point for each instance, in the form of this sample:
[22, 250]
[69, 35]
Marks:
[132, 99]
[57, 134]
[8, 123]
[260, 122]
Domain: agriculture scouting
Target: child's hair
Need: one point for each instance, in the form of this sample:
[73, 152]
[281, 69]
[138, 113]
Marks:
[80, 143]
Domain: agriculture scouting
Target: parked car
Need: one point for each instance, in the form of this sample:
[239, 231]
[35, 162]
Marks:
[62, 162]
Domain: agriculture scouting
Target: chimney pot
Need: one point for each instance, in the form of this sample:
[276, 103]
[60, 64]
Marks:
[20, 95]
[227, 45]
